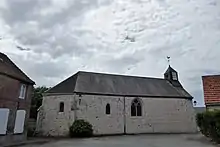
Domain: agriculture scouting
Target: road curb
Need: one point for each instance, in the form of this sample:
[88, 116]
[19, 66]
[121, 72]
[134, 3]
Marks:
[26, 143]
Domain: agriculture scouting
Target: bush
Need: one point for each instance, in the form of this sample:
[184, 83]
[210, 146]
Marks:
[209, 124]
[81, 128]
[30, 132]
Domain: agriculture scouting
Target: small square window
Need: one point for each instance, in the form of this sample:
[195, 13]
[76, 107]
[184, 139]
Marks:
[174, 75]
[22, 91]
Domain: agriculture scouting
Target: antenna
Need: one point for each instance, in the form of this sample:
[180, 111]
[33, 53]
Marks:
[168, 60]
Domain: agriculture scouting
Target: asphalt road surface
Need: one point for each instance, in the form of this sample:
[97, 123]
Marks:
[195, 140]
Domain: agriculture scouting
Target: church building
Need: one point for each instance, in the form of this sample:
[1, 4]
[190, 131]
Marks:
[118, 104]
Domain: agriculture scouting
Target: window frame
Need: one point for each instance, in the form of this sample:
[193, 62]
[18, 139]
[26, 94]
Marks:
[174, 76]
[61, 107]
[108, 109]
[136, 108]
[23, 91]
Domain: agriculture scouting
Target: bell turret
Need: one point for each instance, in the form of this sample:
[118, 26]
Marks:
[172, 76]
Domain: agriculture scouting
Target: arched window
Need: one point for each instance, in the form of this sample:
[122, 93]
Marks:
[61, 107]
[107, 109]
[136, 108]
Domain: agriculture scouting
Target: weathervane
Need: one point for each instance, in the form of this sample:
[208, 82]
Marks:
[168, 60]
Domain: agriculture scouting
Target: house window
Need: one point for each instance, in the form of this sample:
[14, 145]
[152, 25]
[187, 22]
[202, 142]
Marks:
[136, 108]
[174, 75]
[22, 91]
[61, 107]
[107, 109]
[19, 122]
[4, 113]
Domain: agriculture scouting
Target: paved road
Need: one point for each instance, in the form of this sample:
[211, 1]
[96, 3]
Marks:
[133, 141]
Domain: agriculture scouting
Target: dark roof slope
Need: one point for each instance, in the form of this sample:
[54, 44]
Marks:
[65, 87]
[170, 69]
[121, 85]
[7, 67]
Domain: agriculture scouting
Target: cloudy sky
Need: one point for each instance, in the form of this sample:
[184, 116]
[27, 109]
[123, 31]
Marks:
[113, 36]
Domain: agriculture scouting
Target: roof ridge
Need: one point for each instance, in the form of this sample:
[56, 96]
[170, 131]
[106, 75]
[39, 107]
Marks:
[13, 65]
[3, 54]
[20, 70]
[51, 90]
[214, 75]
[111, 74]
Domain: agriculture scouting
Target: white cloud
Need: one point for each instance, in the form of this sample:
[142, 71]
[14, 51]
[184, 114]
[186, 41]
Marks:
[120, 36]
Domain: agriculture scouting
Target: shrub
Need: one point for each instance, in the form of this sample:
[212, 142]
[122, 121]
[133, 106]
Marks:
[209, 124]
[81, 128]
[30, 132]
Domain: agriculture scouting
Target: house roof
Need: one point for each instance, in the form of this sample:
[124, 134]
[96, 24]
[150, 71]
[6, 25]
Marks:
[7, 67]
[120, 85]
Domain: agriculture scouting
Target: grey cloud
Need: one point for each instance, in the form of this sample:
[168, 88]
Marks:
[76, 9]
[44, 71]
[28, 10]
[49, 69]
[49, 33]
[19, 11]
[121, 64]
[89, 35]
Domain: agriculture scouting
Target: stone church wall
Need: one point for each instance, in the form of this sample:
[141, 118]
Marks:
[93, 109]
[50, 121]
[162, 115]
[159, 115]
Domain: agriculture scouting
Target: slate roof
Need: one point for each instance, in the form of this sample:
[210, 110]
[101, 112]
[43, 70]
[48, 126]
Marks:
[7, 67]
[118, 85]
[170, 69]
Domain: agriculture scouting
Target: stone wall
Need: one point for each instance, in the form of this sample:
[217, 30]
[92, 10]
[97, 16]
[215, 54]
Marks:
[162, 115]
[93, 109]
[159, 115]
[51, 122]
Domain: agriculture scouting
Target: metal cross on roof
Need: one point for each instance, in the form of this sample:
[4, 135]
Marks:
[168, 60]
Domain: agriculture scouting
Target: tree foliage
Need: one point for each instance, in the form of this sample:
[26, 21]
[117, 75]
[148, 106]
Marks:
[36, 100]
[209, 124]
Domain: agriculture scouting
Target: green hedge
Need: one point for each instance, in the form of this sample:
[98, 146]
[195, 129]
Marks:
[81, 128]
[209, 124]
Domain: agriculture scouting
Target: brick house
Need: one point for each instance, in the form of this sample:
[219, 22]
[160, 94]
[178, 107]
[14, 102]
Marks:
[211, 87]
[15, 101]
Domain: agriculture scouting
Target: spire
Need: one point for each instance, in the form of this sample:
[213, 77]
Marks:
[171, 74]
[168, 60]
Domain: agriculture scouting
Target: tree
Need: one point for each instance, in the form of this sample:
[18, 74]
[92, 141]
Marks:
[36, 101]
